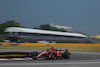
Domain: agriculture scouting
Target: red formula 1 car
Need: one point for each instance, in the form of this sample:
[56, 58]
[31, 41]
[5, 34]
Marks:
[51, 54]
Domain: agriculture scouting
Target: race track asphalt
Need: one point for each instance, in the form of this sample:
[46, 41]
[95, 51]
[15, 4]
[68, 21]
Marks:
[78, 59]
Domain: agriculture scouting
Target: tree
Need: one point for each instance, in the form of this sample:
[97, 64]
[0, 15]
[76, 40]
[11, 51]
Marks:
[45, 27]
[7, 24]
[62, 30]
[35, 27]
[49, 27]
[80, 32]
[1, 38]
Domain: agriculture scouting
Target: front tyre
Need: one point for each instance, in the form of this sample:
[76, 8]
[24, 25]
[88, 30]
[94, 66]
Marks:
[34, 58]
[33, 55]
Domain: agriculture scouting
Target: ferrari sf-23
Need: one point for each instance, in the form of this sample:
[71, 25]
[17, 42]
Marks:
[51, 54]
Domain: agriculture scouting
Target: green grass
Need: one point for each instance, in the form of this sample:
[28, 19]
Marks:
[70, 48]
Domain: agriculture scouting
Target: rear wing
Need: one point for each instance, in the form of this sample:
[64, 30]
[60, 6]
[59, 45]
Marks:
[61, 49]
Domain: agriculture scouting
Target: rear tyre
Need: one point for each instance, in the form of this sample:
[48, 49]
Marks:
[66, 55]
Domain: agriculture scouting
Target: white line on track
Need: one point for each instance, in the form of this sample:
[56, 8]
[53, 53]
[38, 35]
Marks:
[15, 59]
[50, 63]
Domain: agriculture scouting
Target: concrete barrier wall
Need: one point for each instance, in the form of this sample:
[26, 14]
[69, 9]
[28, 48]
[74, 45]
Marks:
[57, 44]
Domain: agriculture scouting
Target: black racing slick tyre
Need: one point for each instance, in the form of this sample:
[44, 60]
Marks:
[66, 55]
[33, 55]
[52, 56]
[34, 58]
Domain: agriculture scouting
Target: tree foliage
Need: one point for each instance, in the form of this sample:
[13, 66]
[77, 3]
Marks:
[80, 32]
[49, 27]
[7, 24]
[1, 38]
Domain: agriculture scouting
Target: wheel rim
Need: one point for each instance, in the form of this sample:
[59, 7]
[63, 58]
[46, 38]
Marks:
[69, 55]
[52, 56]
